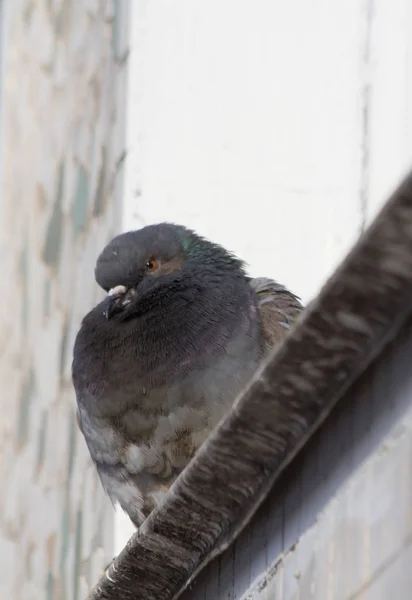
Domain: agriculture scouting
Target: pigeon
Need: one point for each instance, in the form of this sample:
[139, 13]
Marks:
[160, 361]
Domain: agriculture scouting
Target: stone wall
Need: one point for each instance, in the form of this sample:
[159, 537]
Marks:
[62, 131]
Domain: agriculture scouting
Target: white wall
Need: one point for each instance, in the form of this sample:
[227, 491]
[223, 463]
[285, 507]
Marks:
[276, 128]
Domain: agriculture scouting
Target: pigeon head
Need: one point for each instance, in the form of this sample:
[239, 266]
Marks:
[164, 266]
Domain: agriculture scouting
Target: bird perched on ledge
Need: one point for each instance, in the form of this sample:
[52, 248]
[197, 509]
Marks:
[162, 358]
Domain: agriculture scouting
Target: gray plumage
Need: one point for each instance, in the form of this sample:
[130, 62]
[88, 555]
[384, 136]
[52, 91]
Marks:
[161, 360]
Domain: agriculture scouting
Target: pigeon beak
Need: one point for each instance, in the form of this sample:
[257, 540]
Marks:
[108, 311]
[112, 303]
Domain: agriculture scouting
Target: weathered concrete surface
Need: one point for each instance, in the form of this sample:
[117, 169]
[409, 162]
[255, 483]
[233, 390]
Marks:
[338, 525]
[361, 545]
[62, 128]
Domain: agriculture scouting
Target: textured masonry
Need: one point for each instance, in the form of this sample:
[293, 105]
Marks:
[64, 81]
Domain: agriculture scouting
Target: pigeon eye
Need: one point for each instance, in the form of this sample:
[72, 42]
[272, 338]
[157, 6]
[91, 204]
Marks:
[152, 265]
